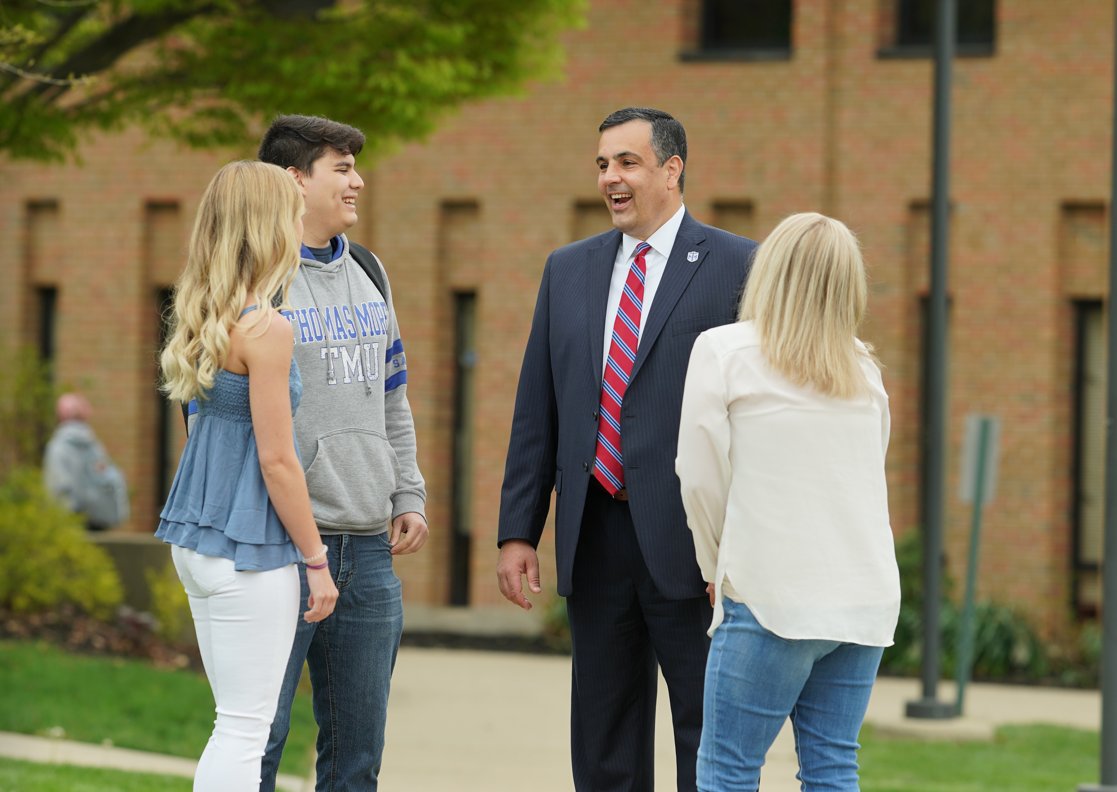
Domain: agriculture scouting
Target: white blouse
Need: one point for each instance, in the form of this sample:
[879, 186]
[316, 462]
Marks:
[785, 493]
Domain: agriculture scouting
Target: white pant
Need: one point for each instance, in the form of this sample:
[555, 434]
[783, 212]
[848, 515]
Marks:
[245, 623]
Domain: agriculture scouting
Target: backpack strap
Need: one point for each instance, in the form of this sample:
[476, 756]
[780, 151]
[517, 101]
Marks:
[189, 409]
[371, 265]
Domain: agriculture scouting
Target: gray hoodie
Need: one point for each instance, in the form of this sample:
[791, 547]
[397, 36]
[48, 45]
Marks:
[78, 472]
[354, 428]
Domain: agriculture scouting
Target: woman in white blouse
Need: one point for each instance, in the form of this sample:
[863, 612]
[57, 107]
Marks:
[781, 457]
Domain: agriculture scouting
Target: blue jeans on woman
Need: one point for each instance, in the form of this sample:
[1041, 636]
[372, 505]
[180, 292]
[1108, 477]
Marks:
[755, 680]
[350, 654]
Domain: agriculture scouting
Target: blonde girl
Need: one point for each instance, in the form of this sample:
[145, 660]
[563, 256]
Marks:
[781, 457]
[238, 515]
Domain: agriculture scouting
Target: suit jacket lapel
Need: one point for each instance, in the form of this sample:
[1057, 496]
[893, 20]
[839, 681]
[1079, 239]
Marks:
[676, 275]
[599, 272]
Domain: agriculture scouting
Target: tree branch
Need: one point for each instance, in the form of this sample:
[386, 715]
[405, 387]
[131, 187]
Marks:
[119, 40]
[66, 23]
[23, 74]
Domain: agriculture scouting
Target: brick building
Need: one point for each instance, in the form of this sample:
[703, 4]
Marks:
[806, 105]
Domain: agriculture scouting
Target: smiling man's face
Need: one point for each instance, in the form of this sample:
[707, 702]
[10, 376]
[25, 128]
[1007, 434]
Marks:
[641, 194]
[330, 190]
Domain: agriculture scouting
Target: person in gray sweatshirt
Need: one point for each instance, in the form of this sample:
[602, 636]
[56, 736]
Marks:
[356, 438]
[77, 470]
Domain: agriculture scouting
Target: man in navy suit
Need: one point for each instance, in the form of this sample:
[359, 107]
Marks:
[626, 563]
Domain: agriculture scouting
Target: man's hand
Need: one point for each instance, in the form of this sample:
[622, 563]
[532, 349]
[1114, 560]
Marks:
[409, 533]
[517, 558]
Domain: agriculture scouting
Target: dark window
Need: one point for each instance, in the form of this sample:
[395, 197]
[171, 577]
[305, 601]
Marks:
[915, 23]
[461, 494]
[746, 28]
[1088, 507]
[168, 415]
[45, 338]
[46, 342]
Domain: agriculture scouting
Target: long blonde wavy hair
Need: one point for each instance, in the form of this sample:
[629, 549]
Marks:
[807, 294]
[244, 250]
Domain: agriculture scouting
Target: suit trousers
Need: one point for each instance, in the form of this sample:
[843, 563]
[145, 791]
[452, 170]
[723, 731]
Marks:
[622, 629]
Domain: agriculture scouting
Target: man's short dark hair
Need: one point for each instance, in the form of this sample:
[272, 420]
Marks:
[668, 135]
[297, 141]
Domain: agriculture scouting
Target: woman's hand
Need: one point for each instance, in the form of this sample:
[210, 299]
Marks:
[323, 594]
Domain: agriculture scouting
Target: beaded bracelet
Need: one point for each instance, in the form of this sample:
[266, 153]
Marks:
[310, 561]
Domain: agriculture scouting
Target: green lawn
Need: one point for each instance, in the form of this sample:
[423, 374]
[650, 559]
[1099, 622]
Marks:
[18, 776]
[128, 702]
[1020, 758]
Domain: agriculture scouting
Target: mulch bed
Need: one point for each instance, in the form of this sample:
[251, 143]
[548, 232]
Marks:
[130, 634]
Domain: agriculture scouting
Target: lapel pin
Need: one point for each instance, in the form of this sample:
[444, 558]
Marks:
[692, 256]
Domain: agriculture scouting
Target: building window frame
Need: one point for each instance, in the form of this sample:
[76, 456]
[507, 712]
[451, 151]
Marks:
[712, 45]
[906, 35]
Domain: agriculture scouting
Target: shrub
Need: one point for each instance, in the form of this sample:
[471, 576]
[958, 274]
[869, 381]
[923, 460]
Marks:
[169, 605]
[904, 656]
[556, 625]
[46, 561]
[1006, 647]
[1076, 662]
[26, 408]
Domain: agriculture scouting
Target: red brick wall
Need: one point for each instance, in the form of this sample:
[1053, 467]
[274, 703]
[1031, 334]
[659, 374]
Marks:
[835, 128]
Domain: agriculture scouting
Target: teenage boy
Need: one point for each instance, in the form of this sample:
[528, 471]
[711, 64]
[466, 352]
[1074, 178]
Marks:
[356, 436]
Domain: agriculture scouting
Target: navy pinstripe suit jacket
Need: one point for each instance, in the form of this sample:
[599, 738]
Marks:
[554, 427]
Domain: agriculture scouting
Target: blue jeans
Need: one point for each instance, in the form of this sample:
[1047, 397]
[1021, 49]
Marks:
[755, 680]
[351, 655]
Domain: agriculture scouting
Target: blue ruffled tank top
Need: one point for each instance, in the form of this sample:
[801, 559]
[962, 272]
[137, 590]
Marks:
[219, 504]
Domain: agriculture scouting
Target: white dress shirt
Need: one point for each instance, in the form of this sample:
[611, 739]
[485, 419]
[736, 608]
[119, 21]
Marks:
[655, 261]
[785, 493]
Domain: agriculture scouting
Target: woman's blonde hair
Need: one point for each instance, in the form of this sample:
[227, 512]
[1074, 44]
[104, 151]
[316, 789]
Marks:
[806, 294]
[244, 250]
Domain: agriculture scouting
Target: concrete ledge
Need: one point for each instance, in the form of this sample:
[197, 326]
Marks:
[134, 554]
[482, 621]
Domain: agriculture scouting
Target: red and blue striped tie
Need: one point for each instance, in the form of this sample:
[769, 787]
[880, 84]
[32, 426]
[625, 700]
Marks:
[608, 465]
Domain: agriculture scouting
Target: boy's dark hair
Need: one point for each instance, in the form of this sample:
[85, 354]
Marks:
[668, 135]
[298, 140]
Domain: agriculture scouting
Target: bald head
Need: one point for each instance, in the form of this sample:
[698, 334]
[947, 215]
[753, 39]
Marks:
[73, 407]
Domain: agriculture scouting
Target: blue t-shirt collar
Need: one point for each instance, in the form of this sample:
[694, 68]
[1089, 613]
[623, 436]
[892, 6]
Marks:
[336, 247]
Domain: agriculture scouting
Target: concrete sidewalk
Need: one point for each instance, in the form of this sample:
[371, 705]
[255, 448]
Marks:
[52, 750]
[467, 721]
